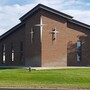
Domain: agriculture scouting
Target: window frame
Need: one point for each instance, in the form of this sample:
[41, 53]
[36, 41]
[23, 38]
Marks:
[79, 51]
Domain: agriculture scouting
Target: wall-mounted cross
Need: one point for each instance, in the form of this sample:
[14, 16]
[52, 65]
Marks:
[54, 33]
[41, 26]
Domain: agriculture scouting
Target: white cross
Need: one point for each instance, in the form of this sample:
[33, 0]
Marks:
[32, 35]
[40, 25]
[54, 33]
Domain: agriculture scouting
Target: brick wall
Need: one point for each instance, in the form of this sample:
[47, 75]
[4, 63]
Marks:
[63, 51]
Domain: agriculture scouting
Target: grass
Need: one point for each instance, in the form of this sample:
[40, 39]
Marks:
[62, 78]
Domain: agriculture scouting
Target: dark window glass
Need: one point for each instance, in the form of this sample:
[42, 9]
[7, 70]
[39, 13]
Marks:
[21, 51]
[79, 47]
[21, 46]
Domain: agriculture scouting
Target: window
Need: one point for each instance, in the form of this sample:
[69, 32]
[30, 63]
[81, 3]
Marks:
[12, 52]
[21, 51]
[79, 47]
[21, 46]
[3, 53]
[32, 35]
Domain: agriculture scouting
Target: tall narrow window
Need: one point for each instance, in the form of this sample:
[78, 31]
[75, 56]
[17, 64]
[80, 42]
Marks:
[32, 35]
[21, 51]
[3, 53]
[12, 52]
[79, 47]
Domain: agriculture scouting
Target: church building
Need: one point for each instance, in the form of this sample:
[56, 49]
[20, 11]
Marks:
[46, 37]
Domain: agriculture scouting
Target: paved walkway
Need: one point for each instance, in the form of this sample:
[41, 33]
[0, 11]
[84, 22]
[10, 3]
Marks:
[41, 68]
[39, 89]
[45, 68]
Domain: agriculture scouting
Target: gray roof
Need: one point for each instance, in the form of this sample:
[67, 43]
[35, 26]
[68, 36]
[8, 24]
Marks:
[79, 23]
[11, 30]
[43, 7]
[40, 6]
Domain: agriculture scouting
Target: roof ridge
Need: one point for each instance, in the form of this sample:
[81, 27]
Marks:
[41, 6]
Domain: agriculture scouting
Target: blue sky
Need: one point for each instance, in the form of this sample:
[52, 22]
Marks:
[12, 2]
[12, 10]
[88, 1]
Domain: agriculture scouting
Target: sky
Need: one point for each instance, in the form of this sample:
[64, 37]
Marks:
[12, 10]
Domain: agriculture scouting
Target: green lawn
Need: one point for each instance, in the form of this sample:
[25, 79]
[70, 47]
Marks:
[65, 78]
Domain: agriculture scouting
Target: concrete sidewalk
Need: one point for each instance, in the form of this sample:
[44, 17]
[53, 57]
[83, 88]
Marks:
[40, 68]
[40, 89]
[46, 68]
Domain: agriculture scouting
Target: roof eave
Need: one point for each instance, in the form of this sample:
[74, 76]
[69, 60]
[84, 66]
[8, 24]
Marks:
[28, 14]
[57, 13]
[80, 23]
[40, 6]
[11, 30]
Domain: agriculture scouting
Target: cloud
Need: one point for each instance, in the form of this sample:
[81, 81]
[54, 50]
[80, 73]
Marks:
[10, 14]
[80, 15]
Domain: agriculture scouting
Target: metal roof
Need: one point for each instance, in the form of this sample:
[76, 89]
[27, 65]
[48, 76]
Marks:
[80, 23]
[40, 6]
[43, 7]
[11, 30]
